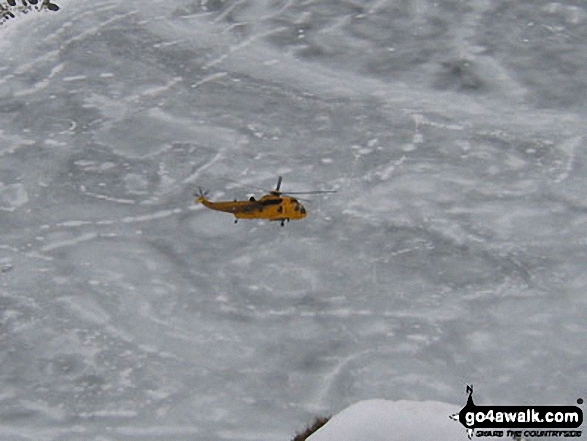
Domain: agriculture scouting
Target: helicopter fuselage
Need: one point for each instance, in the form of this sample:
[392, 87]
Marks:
[274, 207]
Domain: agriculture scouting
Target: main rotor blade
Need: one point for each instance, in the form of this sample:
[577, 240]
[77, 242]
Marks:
[276, 191]
[312, 192]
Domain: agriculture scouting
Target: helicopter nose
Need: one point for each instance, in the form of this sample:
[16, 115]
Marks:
[302, 209]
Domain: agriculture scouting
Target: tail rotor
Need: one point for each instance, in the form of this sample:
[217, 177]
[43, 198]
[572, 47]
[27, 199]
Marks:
[201, 193]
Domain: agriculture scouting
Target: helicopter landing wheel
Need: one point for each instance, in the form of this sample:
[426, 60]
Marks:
[236, 221]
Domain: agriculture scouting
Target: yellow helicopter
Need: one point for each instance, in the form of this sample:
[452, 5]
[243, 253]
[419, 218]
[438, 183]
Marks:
[274, 206]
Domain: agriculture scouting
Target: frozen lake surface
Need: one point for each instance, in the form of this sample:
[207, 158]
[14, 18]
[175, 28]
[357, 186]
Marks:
[454, 252]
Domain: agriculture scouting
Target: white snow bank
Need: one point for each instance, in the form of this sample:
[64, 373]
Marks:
[383, 420]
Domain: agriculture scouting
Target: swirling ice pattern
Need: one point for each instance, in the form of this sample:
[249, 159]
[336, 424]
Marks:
[453, 252]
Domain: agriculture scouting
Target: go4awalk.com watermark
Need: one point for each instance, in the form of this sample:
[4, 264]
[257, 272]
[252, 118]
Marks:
[519, 421]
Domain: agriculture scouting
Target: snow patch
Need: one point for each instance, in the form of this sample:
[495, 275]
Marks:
[383, 420]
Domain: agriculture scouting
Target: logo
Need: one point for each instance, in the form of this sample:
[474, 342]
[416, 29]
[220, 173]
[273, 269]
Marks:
[526, 421]
[11, 8]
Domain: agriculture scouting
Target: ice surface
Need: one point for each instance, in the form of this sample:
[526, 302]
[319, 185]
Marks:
[454, 252]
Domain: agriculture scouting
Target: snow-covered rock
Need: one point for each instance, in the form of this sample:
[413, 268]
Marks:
[384, 420]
